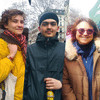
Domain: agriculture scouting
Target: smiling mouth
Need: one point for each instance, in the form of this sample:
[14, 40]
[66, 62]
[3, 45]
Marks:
[85, 38]
[48, 32]
[19, 29]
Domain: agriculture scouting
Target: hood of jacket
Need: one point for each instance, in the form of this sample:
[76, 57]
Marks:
[46, 41]
[71, 51]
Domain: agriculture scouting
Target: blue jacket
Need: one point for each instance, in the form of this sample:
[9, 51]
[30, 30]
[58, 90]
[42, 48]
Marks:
[86, 51]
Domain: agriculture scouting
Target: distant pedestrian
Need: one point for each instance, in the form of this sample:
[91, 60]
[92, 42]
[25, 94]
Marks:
[26, 32]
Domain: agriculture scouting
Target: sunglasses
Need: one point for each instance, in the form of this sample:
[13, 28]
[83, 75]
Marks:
[82, 30]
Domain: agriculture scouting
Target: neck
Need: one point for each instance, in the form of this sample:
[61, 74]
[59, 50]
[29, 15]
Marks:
[85, 47]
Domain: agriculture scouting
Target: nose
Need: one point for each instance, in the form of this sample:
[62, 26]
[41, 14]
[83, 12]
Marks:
[85, 33]
[49, 25]
[20, 24]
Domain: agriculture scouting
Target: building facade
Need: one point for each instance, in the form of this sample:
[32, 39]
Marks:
[63, 22]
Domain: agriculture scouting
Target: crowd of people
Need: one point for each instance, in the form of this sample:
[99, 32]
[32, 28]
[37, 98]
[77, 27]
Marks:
[71, 70]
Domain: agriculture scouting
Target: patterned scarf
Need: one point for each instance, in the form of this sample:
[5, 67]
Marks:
[20, 40]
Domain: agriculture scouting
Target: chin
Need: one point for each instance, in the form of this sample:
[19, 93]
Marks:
[18, 33]
[49, 36]
[85, 43]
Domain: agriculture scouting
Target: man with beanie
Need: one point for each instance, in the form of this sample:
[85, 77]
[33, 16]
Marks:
[44, 62]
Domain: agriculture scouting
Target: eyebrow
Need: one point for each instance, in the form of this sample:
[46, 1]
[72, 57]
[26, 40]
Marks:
[16, 20]
[49, 22]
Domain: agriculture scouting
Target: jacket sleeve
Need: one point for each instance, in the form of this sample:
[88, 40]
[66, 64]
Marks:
[61, 73]
[67, 91]
[26, 77]
[61, 62]
[5, 68]
[5, 64]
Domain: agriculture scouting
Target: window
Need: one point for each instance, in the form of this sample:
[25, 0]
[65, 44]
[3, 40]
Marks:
[60, 18]
[60, 36]
[60, 23]
[60, 30]
[56, 11]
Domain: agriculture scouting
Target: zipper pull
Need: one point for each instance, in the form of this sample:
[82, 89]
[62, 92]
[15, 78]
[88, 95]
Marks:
[47, 39]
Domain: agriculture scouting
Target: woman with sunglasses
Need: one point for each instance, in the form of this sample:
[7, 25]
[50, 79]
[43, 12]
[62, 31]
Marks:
[81, 73]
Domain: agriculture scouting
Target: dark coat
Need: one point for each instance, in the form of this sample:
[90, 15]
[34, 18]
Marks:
[45, 58]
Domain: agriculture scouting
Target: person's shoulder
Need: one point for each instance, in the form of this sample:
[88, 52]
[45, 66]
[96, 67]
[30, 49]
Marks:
[61, 43]
[31, 45]
[2, 41]
[97, 43]
[3, 46]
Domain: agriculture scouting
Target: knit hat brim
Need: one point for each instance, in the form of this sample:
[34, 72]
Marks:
[49, 15]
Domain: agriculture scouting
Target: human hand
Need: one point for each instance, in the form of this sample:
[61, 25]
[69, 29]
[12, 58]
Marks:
[13, 50]
[52, 83]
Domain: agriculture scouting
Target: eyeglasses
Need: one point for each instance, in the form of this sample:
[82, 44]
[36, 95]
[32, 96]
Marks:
[82, 30]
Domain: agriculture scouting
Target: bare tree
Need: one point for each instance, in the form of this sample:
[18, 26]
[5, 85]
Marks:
[73, 14]
[23, 6]
[37, 7]
[41, 5]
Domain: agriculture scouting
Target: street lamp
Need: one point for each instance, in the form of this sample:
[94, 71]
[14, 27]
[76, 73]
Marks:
[29, 2]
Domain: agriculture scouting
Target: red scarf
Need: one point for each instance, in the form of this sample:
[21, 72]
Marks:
[21, 39]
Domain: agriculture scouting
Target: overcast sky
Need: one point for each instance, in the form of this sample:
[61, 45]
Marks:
[4, 4]
[83, 5]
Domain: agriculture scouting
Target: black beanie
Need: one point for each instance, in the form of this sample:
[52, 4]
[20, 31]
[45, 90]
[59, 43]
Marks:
[48, 15]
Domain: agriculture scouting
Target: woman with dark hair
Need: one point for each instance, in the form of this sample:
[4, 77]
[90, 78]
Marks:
[12, 52]
[81, 73]
[26, 32]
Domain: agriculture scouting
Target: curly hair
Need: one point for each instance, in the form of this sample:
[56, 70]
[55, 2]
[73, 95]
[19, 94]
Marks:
[7, 14]
[89, 21]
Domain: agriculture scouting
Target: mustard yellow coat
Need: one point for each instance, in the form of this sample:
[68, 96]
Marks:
[17, 67]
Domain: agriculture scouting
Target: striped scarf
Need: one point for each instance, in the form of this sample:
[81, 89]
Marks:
[21, 41]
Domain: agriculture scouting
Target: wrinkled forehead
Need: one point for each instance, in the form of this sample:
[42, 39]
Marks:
[17, 17]
[84, 24]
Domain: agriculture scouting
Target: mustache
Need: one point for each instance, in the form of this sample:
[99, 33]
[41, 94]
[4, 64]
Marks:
[48, 30]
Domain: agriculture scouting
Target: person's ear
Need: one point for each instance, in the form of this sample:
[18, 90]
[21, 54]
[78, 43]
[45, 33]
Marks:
[57, 28]
[39, 28]
[5, 25]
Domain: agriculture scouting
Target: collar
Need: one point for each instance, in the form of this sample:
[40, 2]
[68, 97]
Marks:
[85, 50]
[71, 50]
[45, 41]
